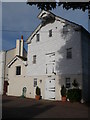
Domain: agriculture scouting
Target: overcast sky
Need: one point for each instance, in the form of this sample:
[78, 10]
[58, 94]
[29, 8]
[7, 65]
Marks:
[19, 18]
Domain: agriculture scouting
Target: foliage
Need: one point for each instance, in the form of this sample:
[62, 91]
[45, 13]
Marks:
[74, 95]
[75, 83]
[38, 91]
[66, 5]
[63, 91]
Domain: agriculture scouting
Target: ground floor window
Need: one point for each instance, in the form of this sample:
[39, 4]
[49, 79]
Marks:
[35, 82]
[68, 83]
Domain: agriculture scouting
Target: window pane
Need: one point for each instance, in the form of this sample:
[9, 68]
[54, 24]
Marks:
[68, 84]
[18, 70]
[38, 38]
[69, 53]
[50, 33]
[34, 59]
[35, 82]
[65, 28]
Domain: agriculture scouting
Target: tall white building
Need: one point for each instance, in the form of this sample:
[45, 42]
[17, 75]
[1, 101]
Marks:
[58, 52]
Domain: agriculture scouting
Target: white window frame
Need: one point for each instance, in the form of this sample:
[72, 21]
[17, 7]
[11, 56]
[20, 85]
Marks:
[68, 82]
[35, 82]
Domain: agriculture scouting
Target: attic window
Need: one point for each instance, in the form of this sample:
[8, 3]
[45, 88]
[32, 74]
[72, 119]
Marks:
[37, 37]
[18, 70]
[50, 33]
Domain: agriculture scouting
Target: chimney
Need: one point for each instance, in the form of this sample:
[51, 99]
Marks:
[17, 47]
[22, 45]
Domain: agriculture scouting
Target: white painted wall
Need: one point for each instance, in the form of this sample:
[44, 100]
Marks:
[58, 43]
[16, 82]
[2, 65]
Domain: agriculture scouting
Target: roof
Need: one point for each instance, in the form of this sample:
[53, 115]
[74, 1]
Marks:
[56, 17]
[23, 59]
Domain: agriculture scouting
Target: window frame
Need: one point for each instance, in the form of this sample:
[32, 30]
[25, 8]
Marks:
[50, 33]
[68, 83]
[35, 82]
[37, 37]
[69, 53]
[18, 70]
[34, 59]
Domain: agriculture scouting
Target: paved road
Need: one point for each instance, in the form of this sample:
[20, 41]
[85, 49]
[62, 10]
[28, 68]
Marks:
[15, 107]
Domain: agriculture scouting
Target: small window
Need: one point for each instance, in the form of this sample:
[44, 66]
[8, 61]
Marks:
[18, 70]
[68, 84]
[89, 16]
[35, 82]
[34, 59]
[69, 53]
[37, 37]
[65, 28]
[50, 33]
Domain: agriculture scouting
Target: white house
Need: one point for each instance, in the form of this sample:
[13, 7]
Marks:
[58, 52]
[6, 58]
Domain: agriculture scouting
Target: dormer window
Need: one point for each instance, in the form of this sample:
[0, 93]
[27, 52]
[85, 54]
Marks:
[50, 33]
[37, 37]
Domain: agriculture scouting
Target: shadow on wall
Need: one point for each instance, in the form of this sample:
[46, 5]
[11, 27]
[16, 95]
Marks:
[66, 67]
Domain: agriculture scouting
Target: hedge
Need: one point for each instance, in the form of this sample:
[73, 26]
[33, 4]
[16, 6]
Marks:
[74, 95]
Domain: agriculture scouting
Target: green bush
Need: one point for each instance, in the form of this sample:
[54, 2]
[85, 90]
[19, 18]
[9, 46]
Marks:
[63, 91]
[38, 91]
[74, 95]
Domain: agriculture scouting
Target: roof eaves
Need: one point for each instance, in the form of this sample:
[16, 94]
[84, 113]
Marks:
[33, 33]
[14, 59]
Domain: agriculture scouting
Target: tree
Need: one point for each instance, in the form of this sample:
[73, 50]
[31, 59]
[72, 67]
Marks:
[66, 5]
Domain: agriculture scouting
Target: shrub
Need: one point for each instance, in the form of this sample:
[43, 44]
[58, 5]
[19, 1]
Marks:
[74, 95]
[63, 91]
[75, 83]
[38, 92]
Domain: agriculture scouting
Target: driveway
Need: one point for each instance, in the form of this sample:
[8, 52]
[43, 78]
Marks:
[16, 107]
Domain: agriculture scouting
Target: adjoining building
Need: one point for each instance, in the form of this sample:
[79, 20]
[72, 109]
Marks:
[5, 58]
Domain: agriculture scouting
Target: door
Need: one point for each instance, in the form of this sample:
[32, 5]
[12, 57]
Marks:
[50, 89]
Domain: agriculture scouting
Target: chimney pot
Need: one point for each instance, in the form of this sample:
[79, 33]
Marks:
[22, 37]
